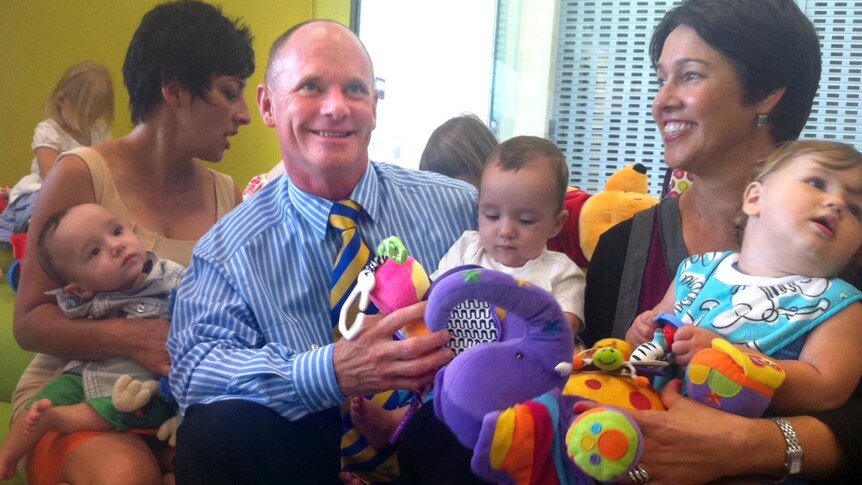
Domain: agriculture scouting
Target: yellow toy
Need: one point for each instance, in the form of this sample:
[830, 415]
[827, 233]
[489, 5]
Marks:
[625, 194]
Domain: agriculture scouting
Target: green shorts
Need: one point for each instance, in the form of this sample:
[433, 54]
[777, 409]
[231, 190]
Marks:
[68, 389]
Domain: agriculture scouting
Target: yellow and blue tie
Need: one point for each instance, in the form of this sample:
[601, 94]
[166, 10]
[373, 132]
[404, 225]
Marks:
[357, 455]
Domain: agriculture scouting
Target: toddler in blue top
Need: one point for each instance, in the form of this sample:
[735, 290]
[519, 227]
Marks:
[780, 295]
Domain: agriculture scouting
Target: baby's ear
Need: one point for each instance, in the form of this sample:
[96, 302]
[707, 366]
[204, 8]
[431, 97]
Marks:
[751, 199]
[559, 222]
[78, 290]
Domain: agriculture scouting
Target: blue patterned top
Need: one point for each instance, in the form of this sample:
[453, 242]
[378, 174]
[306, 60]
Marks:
[771, 315]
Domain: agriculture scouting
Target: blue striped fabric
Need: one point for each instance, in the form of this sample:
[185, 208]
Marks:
[251, 318]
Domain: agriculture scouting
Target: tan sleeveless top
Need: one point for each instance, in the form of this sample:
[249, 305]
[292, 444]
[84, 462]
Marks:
[44, 367]
[108, 197]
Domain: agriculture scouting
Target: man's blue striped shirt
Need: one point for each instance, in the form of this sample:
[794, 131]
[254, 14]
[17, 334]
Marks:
[251, 318]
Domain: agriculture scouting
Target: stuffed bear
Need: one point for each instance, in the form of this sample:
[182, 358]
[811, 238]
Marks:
[589, 216]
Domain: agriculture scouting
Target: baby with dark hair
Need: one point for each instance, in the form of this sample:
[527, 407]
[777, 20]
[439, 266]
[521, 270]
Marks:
[105, 272]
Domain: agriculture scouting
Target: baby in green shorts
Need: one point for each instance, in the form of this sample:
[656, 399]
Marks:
[106, 273]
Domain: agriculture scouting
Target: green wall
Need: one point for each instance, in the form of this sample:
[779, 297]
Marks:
[41, 38]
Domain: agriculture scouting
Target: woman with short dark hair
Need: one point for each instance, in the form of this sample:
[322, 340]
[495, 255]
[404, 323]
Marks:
[185, 70]
[736, 79]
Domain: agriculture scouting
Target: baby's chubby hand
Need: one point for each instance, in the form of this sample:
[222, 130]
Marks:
[642, 329]
[689, 340]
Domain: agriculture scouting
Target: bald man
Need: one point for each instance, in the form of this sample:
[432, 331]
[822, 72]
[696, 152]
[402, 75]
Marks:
[255, 369]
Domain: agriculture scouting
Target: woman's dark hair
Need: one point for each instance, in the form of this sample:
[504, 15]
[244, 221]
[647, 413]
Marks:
[770, 43]
[186, 41]
[459, 148]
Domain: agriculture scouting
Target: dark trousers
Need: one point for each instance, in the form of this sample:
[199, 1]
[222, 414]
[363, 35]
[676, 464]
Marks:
[237, 442]
[428, 453]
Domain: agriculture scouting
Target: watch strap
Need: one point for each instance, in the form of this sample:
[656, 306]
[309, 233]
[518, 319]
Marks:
[793, 450]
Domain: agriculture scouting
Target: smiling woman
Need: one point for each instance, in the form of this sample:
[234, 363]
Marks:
[738, 78]
[726, 99]
[185, 71]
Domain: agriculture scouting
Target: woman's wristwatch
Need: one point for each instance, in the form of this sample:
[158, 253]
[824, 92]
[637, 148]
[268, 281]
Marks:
[793, 452]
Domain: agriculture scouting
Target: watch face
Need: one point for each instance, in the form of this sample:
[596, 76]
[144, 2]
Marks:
[794, 465]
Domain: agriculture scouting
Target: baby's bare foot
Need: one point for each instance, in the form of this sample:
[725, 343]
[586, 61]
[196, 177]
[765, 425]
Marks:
[36, 416]
[374, 422]
[8, 463]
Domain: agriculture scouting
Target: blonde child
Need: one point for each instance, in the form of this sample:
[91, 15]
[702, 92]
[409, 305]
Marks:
[106, 273]
[520, 207]
[780, 294]
[79, 113]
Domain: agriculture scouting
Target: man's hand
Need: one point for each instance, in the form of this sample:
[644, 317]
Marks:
[374, 362]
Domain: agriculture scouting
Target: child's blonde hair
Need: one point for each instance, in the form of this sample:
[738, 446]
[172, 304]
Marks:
[86, 88]
[832, 155]
[829, 154]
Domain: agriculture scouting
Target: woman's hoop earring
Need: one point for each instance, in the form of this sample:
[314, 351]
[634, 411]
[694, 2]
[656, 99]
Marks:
[762, 120]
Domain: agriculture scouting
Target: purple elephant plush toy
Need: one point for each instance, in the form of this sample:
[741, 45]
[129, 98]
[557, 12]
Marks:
[495, 390]
[534, 349]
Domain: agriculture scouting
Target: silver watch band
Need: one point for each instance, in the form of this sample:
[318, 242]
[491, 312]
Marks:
[793, 451]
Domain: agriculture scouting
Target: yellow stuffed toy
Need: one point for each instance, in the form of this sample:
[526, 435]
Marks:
[625, 194]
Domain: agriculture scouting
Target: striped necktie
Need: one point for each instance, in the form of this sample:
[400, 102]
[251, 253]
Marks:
[352, 257]
[357, 455]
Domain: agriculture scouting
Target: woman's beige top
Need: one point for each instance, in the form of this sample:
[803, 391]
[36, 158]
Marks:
[44, 367]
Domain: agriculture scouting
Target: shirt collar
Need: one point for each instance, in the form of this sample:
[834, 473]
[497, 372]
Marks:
[315, 210]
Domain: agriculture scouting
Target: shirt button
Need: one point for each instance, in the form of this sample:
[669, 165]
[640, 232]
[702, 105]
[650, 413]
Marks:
[314, 346]
[326, 403]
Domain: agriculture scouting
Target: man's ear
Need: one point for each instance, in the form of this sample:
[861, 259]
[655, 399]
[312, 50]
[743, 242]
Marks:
[264, 105]
[172, 92]
[559, 221]
[751, 199]
[78, 290]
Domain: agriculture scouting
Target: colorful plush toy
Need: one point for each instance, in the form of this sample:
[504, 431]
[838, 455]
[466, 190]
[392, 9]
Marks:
[534, 349]
[392, 280]
[727, 378]
[626, 193]
[503, 399]
[400, 281]
[510, 400]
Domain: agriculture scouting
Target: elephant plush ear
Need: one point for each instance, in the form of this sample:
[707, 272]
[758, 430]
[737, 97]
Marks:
[470, 322]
